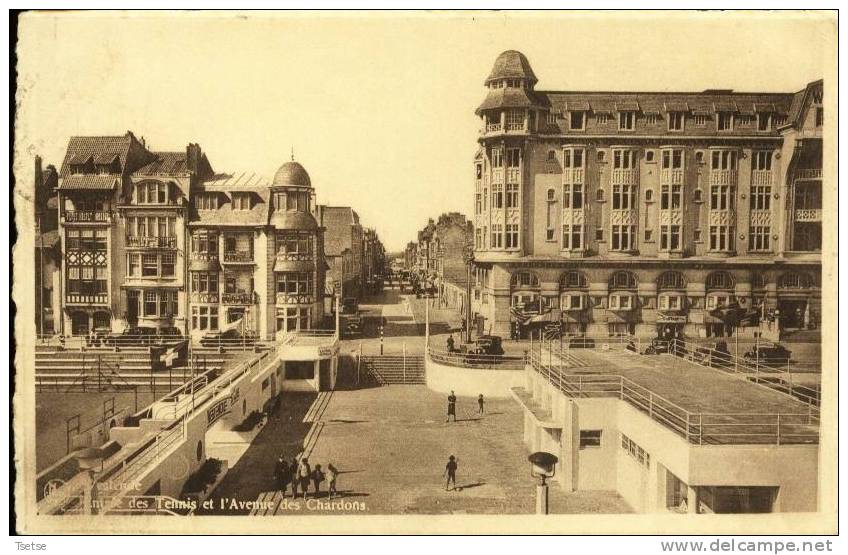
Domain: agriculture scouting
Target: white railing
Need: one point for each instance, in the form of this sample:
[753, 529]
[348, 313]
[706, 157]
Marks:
[761, 177]
[625, 177]
[723, 177]
[493, 127]
[671, 176]
[696, 427]
[477, 361]
[808, 215]
[573, 175]
[75, 298]
[814, 173]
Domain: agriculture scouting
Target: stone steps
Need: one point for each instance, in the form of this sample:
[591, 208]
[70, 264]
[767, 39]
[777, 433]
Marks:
[395, 369]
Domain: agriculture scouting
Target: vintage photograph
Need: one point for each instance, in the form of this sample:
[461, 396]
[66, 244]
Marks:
[316, 266]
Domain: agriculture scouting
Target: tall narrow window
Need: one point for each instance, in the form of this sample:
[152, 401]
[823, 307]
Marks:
[675, 121]
[626, 121]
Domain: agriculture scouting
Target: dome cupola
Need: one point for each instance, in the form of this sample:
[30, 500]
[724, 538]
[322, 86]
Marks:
[291, 174]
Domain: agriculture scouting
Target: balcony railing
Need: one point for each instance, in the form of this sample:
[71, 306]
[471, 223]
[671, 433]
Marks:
[209, 298]
[152, 242]
[723, 177]
[292, 298]
[761, 177]
[205, 256]
[573, 175]
[74, 298]
[493, 127]
[808, 215]
[88, 216]
[671, 177]
[515, 127]
[513, 175]
[238, 256]
[298, 256]
[625, 177]
[238, 298]
[814, 173]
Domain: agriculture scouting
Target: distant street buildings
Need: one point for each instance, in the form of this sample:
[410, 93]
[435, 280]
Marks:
[130, 238]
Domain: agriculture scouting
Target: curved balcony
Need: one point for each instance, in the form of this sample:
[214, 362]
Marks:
[134, 242]
[238, 257]
[240, 298]
[87, 216]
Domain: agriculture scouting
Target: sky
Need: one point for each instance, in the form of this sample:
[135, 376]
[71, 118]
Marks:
[379, 108]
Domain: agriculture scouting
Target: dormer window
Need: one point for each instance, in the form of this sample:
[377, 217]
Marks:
[626, 121]
[241, 201]
[577, 121]
[725, 121]
[675, 121]
[82, 164]
[153, 192]
[206, 201]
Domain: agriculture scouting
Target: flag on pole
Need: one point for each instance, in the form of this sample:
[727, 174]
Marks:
[174, 354]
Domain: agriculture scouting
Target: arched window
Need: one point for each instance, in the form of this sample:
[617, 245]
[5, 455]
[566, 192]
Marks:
[671, 280]
[794, 280]
[524, 280]
[622, 280]
[573, 280]
[719, 280]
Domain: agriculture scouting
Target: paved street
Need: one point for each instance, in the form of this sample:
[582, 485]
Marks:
[391, 445]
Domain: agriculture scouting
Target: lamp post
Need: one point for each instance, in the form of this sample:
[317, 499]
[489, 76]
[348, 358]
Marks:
[469, 261]
[542, 467]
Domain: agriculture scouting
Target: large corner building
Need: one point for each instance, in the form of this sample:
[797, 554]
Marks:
[638, 212]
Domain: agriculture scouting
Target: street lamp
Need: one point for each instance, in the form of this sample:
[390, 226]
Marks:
[542, 467]
[469, 261]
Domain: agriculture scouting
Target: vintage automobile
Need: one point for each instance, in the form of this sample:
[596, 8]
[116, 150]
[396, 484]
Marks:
[657, 347]
[581, 342]
[350, 305]
[133, 336]
[775, 354]
[716, 355]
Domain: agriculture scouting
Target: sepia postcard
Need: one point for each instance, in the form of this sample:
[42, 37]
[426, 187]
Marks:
[425, 272]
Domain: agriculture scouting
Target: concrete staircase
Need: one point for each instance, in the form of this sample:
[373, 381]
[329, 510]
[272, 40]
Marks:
[394, 369]
[104, 368]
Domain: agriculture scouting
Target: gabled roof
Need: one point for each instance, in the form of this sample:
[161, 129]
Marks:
[799, 100]
[88, 181]
[130, 153]
[165, 163]
[227, 184]
[337, 222]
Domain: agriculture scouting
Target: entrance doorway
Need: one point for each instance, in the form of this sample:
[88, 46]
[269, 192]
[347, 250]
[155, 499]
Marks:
[132, 308]
[79, 323]
[791, 313]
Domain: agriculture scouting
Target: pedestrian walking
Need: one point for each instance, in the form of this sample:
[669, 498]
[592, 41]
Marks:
[282, 475]
[304, 473]
[450, 472]
[293, 471]
[332, 475]
[451, 407]
[480, 402]
[317, 478]
[450, 343]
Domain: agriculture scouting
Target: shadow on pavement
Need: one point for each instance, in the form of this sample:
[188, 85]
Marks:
[283, 434]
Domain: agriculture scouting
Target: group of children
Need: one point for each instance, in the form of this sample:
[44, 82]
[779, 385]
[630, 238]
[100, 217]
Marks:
[299, 474]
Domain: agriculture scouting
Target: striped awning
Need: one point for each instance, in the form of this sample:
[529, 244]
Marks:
[674, 106]
[577, 106]
[725, 107]
[627, 106]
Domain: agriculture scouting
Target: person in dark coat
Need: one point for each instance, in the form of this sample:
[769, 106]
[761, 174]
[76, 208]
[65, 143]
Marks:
[295, 479]
[480, 402]
[282, 474]
[450, 472]
[317, 478]
[451, 407]
[450, 343]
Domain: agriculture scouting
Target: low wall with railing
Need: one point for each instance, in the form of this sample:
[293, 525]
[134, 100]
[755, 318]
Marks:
[469, 375]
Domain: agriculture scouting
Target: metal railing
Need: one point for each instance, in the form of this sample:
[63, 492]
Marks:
[477, 361]
[76, 298]
[151, 242]
[238, 298]
[776, 377]
[113, 342]
[696, 427]
[238, 256]
[195, 398]
[87, 216]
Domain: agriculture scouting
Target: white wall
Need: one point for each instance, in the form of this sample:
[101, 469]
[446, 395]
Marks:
[471, 381]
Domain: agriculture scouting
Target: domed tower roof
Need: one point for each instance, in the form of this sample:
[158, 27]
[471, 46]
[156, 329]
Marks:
[512, 64]
[291, 174]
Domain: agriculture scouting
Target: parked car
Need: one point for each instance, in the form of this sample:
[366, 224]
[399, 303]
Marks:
[231, 337]
[350, 305]
[353, 324]
[488, 345]
[133, 336]
[716, 355]
[769, 354]
[581, 342]
[657, 347]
